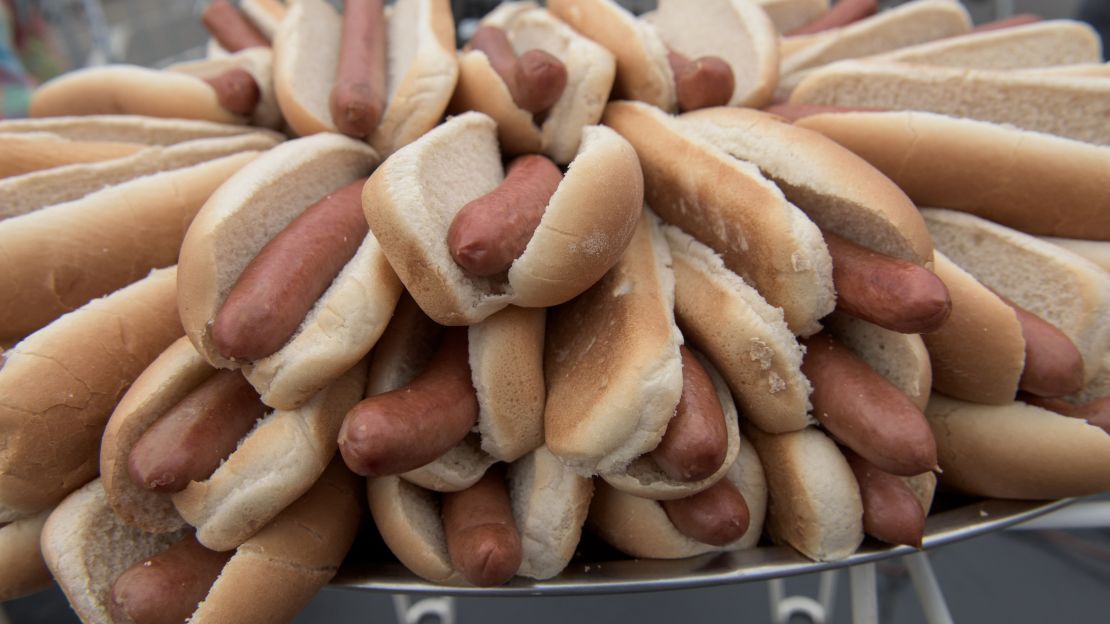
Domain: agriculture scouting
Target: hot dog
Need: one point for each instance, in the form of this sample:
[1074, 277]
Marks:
[716, 516]
[701, 82]
[482, 539]
[168, 586]
[696, 441]
[891, 511]
[535, 80]
[358, 95]
[236, 90]
[1053, 366]
[230, 28]
[841, 14]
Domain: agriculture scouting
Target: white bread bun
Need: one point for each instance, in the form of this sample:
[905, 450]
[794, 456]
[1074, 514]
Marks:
[26, 152]
[1067, 106]
[306, 54]
[815, 504]
[1060, 287]
[1097, 252]
[126, 128]
[75, 370]
[22, 569]
[644, 478]
[622, 331]
[978, 354]
[727, 204]
[58, 258]
[258, 62]
[590, 70]
[900, 358]
[239, 219]
[264, 14]
[1092, 70]
[457, 469]
[745, 337]
[1035, 182]
[29, 192]
[788, 15]
[412, 198]
[1018, 450]
[639, 527]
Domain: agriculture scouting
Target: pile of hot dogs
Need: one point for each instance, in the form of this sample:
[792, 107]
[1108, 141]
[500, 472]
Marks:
[563, 306]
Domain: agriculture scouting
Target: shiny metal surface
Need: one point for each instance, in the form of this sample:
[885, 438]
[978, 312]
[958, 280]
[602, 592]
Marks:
[608, 574]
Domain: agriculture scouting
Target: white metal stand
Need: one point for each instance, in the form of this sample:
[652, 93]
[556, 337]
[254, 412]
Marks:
[409, 612]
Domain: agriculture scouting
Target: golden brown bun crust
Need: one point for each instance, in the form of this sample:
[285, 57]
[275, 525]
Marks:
[22, 569]
[75, 370]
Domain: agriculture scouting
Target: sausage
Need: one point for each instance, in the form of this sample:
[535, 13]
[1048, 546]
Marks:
[358, 95]
[793, 112]
[718, 515]
[482, 539]
[536, 80]
[166, 588]
[191, 439]
[1096, 412]
[230, 28]
[493, 230]
[889, 292]
[696, 442]
[283, 282]
[841, 14]
[236, 90]
[1053, 366]
[891, 511]
[398, 431]
[865, 412]
[1008, 22]
[702, 82]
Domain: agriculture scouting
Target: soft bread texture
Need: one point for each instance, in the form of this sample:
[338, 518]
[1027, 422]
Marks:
[745, 337]
[621, 330]
[643, 72]
[590, 72]
[457, 469]
[264, 14]
[1017, 450]
[737, 31]
[30, 192]
[59, 386]
[408, 519]
[22, 569]
[979, 352]
[125, 128]
[26, 152]
[728, 205]
[1068, 106]
[1093, 70]
[412, 198]
[900, 358]
[56, 259]
[837, 189]
[258, 62]
[788, 15]
[1034, 182]
[239, 219]
[814, 504]
[1097, 252]
[306, 54]
[639, 527]
[550, 504]
[1056, 285]
[644, 478]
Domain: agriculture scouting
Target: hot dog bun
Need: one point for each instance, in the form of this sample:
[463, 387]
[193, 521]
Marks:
[1038, 183]
[239, 219]
[35, 151]
[1097, 252]
[125, 128]
[549, 507]
[58, 376]
[258, 62]
[22, 570]
[901, 358]
[790, 14]
[408, 207]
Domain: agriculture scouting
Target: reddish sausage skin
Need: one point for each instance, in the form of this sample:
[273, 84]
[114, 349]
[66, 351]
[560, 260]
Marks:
[283, 282]
[1096, 412]
[865, 412]
[482, 539]
[889, 292]
[236, 91]
[536, 80]
[1053, 366]
[716, 516]
[190, 440]
[701, 83]
[696, 441]
[230, 29]
[841, 14]
[358, 96]
[493, 230]
[398, 431]
[166, 588]
[891, 512]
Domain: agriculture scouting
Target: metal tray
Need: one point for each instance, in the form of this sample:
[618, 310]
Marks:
[597, 569]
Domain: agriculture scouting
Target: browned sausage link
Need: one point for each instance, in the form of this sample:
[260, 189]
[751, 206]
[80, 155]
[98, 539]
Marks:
[283, 282]
[793, 112]
[235, 90]
[865, 412]
[889, 292]
[696, 442]
[166, 588]
[718, 515]
[1053, 366]
[189, 441]
[1096, 412]
[891, 512]
[230, 28]
[493, 230]
[841, 14]
[1009, 22]
[482, 538]
[701, 83]
[358, 96]
[536, 80]
[404, 429]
